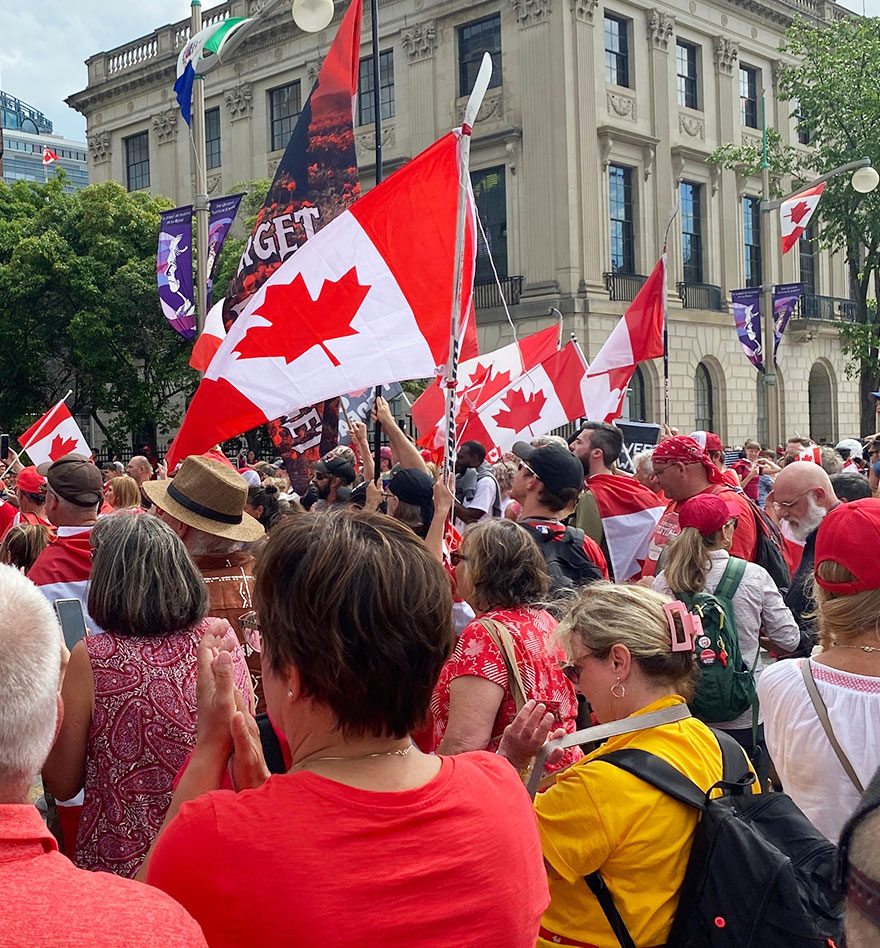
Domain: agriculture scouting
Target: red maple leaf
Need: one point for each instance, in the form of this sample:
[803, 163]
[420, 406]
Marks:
[61, 446]
[485, 383]
[300, 323]
[521, 411]
[799, 212]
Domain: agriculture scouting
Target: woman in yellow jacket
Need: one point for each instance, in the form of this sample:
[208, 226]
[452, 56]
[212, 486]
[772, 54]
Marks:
[596, 816]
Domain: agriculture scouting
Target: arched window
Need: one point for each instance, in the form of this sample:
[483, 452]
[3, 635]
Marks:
[635, 405]
[704, 403]
[821, 405]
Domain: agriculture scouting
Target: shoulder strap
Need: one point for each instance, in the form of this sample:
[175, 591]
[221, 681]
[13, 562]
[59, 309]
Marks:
[825, 721]
[658, 773]
[731, 578]
[500, 635]
[271, 745]
[606, 901]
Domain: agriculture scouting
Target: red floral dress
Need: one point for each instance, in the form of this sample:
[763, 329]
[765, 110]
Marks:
[538, 659]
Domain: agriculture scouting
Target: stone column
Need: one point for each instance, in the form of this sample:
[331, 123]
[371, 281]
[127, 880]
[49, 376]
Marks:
[419, 43]
[660, 29]
[726, 54]
[239, 145]
[163, 152]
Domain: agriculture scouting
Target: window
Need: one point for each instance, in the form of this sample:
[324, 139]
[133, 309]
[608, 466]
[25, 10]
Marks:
[748, 96]
[635, 406]
[616, 50]
[686, 70]
[691, 199]
[704, 408]
[212, 137]
[474, 39]
[620, 197]
[284, 109]
[806, 247]
[752, 239]
[490, 194]
[366, 113]
[137, 161]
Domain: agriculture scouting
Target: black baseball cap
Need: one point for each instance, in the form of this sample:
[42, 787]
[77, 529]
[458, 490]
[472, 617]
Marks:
[556, 466]
[337, 467]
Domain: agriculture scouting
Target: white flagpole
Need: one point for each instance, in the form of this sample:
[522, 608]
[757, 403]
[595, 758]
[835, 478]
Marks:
[470, 116]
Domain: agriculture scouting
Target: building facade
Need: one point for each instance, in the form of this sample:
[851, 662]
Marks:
[598, 121]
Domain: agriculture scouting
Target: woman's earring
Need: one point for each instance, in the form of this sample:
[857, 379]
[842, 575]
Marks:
[290, 694]
[618, 689]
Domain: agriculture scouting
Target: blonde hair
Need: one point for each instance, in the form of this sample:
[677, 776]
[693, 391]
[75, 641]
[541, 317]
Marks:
[686, 561]
[126, 492]
[23, 544]
[844, 617]
[606, 614]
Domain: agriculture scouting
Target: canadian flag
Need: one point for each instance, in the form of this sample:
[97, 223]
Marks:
[542, 398]
[479, 379]
[53, 436]
[366, 301]
[638, 336]
[210, 338]
[49, 156]
[795, 214]
[629, 512]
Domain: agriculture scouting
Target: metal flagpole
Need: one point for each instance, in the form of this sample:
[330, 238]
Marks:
[377, 131]
[470, 115]
[771, 397]
[200, 198]
[672, 215]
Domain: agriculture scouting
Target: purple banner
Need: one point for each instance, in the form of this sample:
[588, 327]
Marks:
[223, 211]
[747, 316]
[785, 298]
[174, 270]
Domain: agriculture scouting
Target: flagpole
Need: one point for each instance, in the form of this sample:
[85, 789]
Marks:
[470, 114]
[200, 198]
[671, 218]
[377, 134]
[771, 397]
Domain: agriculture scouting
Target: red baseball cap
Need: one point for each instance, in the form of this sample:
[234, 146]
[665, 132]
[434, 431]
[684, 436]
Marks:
[706, 513]
[30, 481]
[844, 535]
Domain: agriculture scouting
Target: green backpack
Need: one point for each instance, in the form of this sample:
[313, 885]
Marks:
[726, 685]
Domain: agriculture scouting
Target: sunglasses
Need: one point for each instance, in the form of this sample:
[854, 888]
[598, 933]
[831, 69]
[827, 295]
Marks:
[456, 557]
[522, 464]
[573, 670]
[250, 628]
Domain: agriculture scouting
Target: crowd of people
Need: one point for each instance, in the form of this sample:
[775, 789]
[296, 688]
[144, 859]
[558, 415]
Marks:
[301, 718]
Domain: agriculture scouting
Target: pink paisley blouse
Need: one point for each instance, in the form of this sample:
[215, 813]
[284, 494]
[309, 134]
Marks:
[142, 731]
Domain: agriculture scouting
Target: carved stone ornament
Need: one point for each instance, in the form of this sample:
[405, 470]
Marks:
[660, 28]
[214, 183]
[606, 143]
[239, 100]
[691, 125]
[165, 125]
[419, 41]
[366, 140]
[492, 108]
[99, 146]
[678, 164]
[255, 7]
[531, 12]
[584, 10]
[726, 54]
[312, 71]
[621, 105]
[775, 69]
[715, 176]
[649, 153]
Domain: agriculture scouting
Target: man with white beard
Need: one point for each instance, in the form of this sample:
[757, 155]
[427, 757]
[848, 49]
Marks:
[802, 495]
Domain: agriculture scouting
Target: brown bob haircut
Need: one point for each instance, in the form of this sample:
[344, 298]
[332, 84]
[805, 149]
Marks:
[356, 603]
[506, 566]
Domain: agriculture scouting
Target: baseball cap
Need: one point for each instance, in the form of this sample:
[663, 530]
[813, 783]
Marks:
[74, 478]
[706, 513]
[30, 481]
[844, 535]
[707, 440]
[556, 466]
[336, 467]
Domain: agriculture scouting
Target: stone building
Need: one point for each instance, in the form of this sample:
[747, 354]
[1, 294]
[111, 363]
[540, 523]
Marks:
[598, 119]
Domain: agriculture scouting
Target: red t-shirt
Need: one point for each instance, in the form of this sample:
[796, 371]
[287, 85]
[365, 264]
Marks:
[7, 517]
[730, 477]
[46, 900]
[305, 861]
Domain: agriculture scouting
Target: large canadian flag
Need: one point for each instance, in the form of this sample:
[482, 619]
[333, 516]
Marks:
[210, 338]
[53, 436]
[479, 380]
[638, 336]
[795, 214]
[366, 301]
[542, 398]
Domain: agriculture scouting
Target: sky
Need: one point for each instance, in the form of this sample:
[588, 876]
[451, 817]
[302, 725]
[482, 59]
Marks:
[45, 45]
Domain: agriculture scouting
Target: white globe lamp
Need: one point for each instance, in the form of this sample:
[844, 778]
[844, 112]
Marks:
[865, 180]
[312, 16]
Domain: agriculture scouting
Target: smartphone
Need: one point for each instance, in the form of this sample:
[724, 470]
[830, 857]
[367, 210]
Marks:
[73, 621]
[4, 447]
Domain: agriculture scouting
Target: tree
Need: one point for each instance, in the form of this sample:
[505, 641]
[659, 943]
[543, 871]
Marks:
[79, 310]
[836, 103]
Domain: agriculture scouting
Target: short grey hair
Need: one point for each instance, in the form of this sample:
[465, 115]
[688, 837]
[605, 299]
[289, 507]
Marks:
[144, 581]
[30, 640]
[543, 440]
[644, 457]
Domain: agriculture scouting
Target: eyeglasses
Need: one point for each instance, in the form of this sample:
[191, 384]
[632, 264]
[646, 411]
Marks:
[250, 627]
[788, 504]
[456, 557]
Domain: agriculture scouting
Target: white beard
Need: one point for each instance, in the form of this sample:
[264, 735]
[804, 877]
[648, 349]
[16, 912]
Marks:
[801, 529]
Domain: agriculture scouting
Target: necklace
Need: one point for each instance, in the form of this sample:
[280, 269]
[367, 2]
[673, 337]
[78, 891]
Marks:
[864, 648]
[398, 752]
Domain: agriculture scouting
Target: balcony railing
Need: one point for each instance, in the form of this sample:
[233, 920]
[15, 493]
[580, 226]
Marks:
[624, 286]
[812, 306]
[699, 295]
[488, 294]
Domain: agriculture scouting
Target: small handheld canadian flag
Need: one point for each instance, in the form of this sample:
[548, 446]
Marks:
[53, 436]
[49, 156]
[795, 214]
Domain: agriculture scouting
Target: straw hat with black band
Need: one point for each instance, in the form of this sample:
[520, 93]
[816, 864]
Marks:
[209, 496]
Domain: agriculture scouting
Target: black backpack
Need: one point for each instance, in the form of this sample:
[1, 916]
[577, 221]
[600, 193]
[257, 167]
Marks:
[760, 875]
[567, 563]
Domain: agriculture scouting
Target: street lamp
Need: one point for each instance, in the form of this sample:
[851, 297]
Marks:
[312, 16]
[864, 180]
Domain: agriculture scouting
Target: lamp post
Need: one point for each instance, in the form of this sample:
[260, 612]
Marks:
[200, 198]
[865, 179]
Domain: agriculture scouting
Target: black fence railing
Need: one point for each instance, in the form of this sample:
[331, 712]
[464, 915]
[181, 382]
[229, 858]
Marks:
[813, 306]
[699, 295]
[487, 294]
[623, 286]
